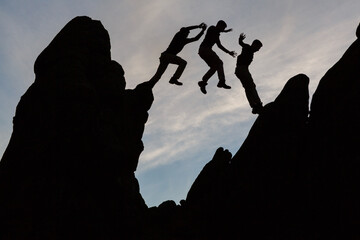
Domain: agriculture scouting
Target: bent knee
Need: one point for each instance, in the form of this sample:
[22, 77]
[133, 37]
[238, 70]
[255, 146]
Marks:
[218, 64]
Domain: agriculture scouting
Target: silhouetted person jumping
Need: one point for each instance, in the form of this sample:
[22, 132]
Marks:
[242, 72]
[211, 58]
[169, 55]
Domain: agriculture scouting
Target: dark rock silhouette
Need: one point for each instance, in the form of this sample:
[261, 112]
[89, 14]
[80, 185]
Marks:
[260, 184]
[333, 145]
[294, 177]
[68, 171]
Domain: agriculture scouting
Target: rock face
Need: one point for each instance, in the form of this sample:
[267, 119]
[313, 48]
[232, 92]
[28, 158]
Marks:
[68, 171]
[296, 175]
[333, 142]
[253, 194]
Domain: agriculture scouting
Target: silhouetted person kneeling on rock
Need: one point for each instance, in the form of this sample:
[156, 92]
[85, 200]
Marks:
[169, 55]
[211, 58]
[242, 72]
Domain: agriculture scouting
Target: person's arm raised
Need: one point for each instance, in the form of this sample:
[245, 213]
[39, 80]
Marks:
[195, 26]
[197, 37]
[241, 39]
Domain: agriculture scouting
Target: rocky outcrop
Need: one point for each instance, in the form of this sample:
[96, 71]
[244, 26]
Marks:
[259, 187]
[296, 175]
[68, 171]
[334, 170]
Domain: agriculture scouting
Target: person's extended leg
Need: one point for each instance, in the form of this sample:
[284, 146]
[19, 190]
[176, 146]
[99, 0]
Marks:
[250, 88]
[180, 69]
[208, 74]
[221, 75]
[205, 54]
[202, 84]
[252, 95]
[164, 62]
[215, 64]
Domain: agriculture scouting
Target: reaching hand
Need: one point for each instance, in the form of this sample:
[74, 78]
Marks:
[228, 30]
[242, 36]
[233, 53]
[203, 26]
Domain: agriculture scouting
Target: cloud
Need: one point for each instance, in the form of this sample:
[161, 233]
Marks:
[184, 125]
[177, 129]
[182, 114]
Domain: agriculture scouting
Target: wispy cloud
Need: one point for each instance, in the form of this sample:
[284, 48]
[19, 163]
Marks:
[306, 36]
[288, 51]
[175, 130]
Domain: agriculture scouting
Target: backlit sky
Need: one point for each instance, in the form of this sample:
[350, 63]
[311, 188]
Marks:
[185, 127]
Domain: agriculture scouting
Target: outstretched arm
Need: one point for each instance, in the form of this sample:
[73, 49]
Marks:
[197, 37]
[232, 53]
[241, 39]
[228, 30]
[195, 26]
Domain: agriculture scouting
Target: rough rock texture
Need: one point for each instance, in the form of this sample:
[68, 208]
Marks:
[68, 171]
[295, 177]
[333, 145]
[259, 187]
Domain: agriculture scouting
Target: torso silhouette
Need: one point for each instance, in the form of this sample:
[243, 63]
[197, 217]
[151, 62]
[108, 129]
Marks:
[211, 37]
[246, 56]
[178, 42]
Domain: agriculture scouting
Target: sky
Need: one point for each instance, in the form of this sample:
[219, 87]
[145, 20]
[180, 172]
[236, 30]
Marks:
[185, 127]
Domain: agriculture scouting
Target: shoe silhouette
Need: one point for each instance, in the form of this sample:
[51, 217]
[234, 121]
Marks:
[175, 81]
[202, 86]
[223, 85]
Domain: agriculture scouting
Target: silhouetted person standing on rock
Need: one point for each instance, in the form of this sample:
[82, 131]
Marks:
[170, 54]
[211, 58]
[242, 72]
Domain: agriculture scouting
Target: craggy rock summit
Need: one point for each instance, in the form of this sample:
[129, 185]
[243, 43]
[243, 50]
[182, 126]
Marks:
[297, 175]
[334, 145]
[252, 194]
[68, 171]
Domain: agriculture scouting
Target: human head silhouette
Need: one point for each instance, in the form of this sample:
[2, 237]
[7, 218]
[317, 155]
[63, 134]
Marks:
[221, 25]
[256, 45]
